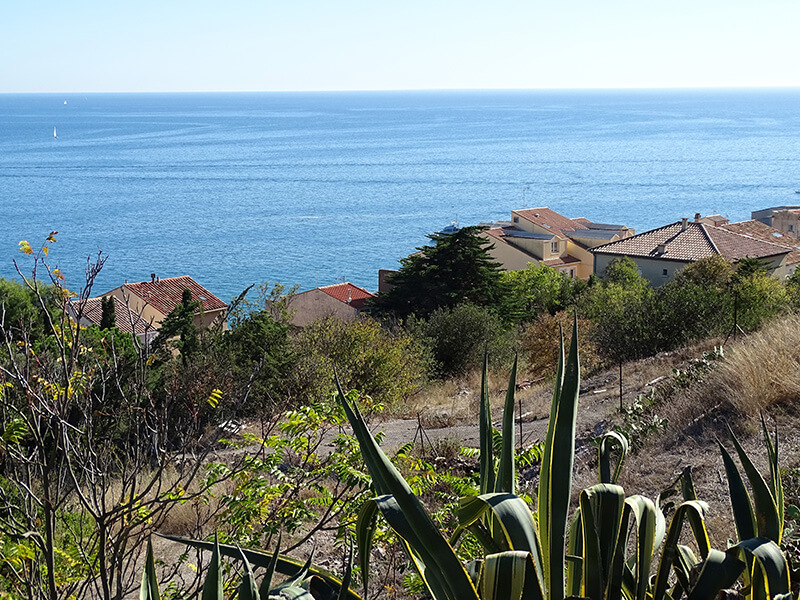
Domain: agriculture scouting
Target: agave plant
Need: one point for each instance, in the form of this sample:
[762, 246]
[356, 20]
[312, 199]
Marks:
[304, 581]
[546, 556]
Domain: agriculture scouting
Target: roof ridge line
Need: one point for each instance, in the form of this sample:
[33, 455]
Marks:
[710, 239]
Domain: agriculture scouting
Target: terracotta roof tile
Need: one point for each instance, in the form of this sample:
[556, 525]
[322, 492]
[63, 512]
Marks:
[697, 241]
[765, 233]
[550, 219]
[166, 294]
[126, 320]
[348, 293]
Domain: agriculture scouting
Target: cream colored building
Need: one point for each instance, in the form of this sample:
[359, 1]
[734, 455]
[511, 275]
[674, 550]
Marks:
[141, 307]
[660, 253]
[541, 235]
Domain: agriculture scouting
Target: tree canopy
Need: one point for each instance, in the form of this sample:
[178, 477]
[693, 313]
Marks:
[456, 269]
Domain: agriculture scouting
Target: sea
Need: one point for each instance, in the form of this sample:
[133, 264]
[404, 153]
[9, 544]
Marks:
[312, 189]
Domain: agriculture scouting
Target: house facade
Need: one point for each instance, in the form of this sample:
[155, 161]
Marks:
[660, 253]
[541, 235]
[141, 307]
[785, 219]
[343, 301]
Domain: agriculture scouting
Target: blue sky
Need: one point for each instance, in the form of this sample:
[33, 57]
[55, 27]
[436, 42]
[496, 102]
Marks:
[269, 45]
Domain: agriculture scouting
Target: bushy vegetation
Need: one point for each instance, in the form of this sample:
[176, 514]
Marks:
[102, 438]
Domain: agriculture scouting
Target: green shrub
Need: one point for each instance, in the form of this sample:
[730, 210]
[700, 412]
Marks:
[458, 337]
[383, 364]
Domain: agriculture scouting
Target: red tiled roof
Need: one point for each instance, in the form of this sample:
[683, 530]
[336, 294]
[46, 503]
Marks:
[550, 219]
[762, 231]
[126, 320]
[348, 293]
[165, 294]
[697, 241]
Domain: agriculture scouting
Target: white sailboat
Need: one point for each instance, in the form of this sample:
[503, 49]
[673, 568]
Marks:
[55, 136]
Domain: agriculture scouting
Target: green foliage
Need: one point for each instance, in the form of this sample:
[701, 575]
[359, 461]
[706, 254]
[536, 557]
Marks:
[621, 306]
[458, 337]
[612, 541]
[538, 290]
[180, 324]
[108, 316]
[456, 269]
[22, 312]
[367, 357]
[292, 480]
[261, 356]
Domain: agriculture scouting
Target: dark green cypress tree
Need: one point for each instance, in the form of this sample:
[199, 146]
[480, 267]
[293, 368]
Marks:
[456, 269]
[108, 316]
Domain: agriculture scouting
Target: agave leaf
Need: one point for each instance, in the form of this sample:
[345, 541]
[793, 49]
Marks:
[611, 440]
[247, 589]
[555, 484]
[149, 589]
[776, 485]
[718, 571]
[506, 475]
[646, 519]
[285, 565]
[770, 572]
[741, 505]
[365, 532]
[575, 555]
[602, 507]
[419, 548]
[510, 512]
[348, 575]
[448, 578]
[297, 578]
[510, 576]
[768, 521]
[692, 511]
[212, 586]
[487, 474]
[266, 581]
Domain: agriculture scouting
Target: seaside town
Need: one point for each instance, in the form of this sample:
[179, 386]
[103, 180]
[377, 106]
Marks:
[574, 247]
[400, 301]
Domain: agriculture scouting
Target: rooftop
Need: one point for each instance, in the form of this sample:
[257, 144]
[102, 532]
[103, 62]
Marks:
[691, 241]
[758, 230]
[127, 320]
[166, 294]
[348, 293]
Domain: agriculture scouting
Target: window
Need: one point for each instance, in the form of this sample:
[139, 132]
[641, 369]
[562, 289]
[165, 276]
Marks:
[554, 247]
[791, 228]
[516, 219]
[664, 273]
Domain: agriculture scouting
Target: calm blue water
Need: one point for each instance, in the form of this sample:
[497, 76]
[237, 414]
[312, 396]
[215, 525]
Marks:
[235, 189]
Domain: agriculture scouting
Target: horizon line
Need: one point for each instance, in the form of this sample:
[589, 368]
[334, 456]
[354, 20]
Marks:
[421, 89]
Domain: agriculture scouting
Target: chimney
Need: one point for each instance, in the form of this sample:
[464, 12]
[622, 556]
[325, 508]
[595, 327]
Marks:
[684, 223]
[152, 277]
[696, 217]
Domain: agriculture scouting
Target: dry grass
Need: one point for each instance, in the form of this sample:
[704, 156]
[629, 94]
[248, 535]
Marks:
[762, 370]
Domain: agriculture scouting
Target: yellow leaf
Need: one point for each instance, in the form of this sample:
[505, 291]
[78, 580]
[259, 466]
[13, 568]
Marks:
[57, 274]
[46, 250]
[25, 247]
[52, 236]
